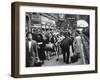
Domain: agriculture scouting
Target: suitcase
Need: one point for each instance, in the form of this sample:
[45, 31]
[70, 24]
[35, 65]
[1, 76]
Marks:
[74, 58]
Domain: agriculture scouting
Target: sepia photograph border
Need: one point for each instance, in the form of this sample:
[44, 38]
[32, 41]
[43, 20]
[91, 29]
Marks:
[15, 39]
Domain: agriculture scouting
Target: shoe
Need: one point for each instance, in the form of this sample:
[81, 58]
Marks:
[57, 59]
[67, 62]
[42, 62]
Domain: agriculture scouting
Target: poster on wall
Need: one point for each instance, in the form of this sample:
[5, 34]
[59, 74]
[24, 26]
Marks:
[53, 39]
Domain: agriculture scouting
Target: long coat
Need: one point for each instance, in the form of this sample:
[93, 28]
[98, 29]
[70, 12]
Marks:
[41, 50]
[77, 44]
[30, 53]
[65, 47]
[66, 43]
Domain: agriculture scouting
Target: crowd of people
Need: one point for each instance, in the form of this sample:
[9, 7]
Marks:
[41, 45]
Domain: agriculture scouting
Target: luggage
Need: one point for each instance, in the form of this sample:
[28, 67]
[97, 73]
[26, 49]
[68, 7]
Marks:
[49, 46]
[74, 58]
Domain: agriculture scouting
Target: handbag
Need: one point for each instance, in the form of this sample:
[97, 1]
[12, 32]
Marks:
[74, 58]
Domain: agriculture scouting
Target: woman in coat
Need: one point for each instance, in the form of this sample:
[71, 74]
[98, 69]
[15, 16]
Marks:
[41, 49]
[78, 48]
